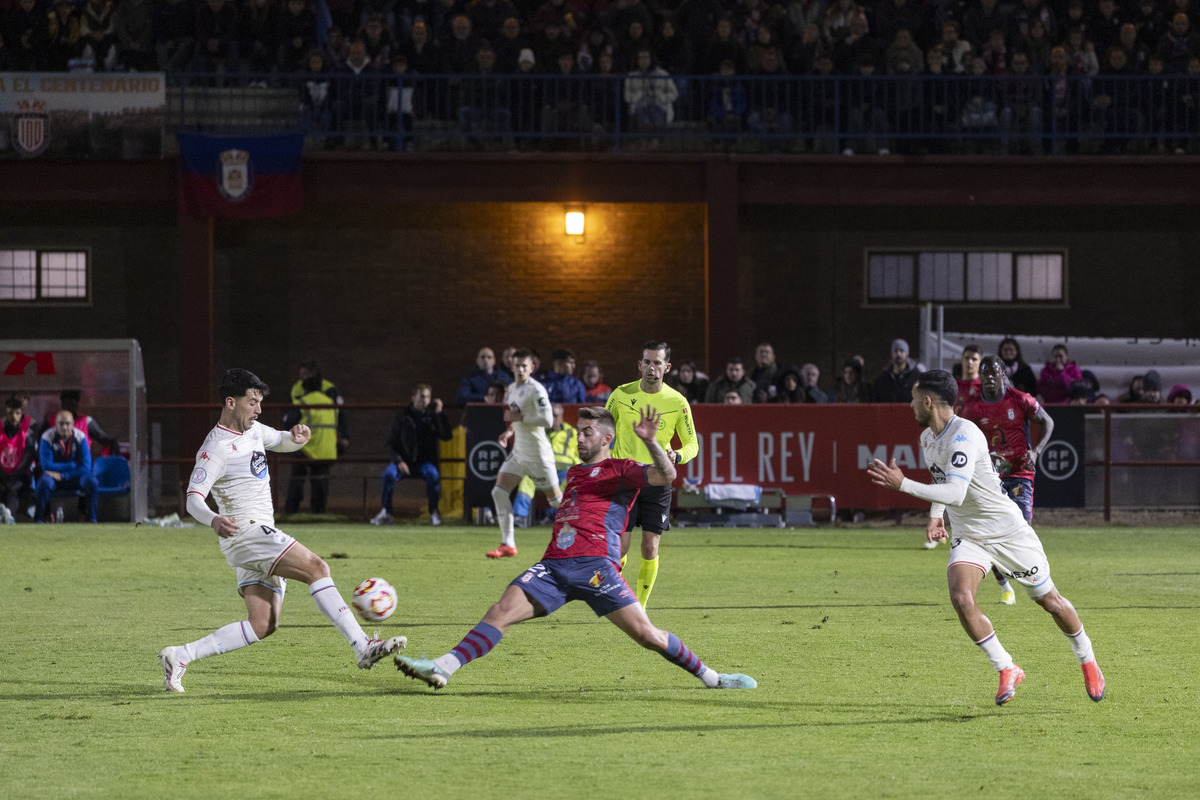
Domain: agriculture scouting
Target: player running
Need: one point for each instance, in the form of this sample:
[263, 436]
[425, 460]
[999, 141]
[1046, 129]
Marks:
[652, 510]
[1003, 414]
[527, 409]
[232, 464]
[988, 529]
[581, 561]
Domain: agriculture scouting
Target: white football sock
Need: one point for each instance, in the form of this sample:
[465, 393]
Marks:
[997, 656]
[504, 515]
[710, 677]
[448, 663]
[1081, 645]
[231, 637]
[330, 601]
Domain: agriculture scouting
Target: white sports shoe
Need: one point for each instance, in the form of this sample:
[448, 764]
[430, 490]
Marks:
[173, 668]
[382, 518]
[377, 649]
[930, 545]
[435, 518]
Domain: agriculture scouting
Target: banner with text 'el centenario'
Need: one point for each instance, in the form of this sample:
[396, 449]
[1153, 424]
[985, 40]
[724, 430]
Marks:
[82, 115]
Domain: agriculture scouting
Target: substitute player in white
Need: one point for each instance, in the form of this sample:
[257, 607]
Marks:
[528, 411]
[232, 464]
[986, 528]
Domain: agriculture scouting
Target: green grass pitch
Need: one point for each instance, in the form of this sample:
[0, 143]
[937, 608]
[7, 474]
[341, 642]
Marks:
[868, 687]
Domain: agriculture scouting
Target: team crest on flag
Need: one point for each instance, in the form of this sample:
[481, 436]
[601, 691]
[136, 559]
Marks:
[31, 128]
[235, 180]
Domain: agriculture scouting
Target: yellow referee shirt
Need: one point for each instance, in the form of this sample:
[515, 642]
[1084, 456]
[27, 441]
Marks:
[625, 403]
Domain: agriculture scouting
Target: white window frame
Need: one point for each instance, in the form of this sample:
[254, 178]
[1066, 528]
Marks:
[975, 277]
[56, 276]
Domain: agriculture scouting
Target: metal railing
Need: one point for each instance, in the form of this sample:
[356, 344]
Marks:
[1039, 115]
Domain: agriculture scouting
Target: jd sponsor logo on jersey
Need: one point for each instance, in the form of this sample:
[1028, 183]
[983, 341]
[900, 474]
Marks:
[258, 464]
[958, 459]
[1059, 460]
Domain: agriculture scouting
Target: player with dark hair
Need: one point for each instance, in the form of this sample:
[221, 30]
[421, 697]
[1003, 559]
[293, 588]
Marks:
[987, 529]
[1003, 414]
[581, 561]
[232, 464]
[652, 510]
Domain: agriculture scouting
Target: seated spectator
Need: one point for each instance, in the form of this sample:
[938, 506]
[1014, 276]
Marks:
[836, 23]
[855, 48]
[902, 48]
[689, 383]
[732, 397]
[62, 36]
[485, 115]
[1020, 374]
[1055, 379]
[650, 94]
[894, 384]
[66, 463]
[771, 102]
[1077, 393]
[216, 47]
[810, 375]
[1037, 48]
[954, 48]
[488, 16]
[561, 384]
[564, 105]
[980, 121]
[722, 44]
[398, 106]
[1133, 394]
[767, 371]
[18, 451]
[1152, 387]
[174, 34]
[413, 449]
[598, 40]
[852, 388]
[509, 46]
[734, 379]
[595, 389]
[1180, 395]
[258, 35]
[358, 99]
[379, 43]
[1022, 107]
[867, 113]
[315, 97]
[673, 50]
[474, 385]
[461, 48]
[789, 387]
[1081, 53]
[297, 36]
[1178, 45]
[495, 392]
[133, 24]
[980, 20]
[726, 106]
[99, 43]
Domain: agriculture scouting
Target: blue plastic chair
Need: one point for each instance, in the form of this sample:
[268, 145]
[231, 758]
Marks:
[112, 474]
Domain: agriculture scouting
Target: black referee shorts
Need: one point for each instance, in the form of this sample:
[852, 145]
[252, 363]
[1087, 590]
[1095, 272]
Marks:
[652, 510]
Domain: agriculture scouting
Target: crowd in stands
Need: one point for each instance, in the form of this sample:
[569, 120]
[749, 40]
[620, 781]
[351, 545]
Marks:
[1017, 59]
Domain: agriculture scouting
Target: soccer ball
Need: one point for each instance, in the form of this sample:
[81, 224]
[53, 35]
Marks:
[374, 599]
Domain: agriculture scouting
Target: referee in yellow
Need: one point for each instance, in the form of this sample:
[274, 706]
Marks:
[652, 510]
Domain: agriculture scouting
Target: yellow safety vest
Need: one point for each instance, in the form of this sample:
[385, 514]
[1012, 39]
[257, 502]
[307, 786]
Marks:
[322, 421]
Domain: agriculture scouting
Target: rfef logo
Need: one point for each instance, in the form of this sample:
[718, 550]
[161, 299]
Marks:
[1059, 460]
[485, 460]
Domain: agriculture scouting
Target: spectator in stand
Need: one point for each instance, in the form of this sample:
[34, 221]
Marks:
[802, 13]
[25, 35]
[810, 375]
[1037, 48]
[337, 49]
[954, 48]
[551, 11]
[893, 16]
[771, 101]
[1151, 388]
[488, 16]
[506, 361]
[62, 36]
[133, 24]
[216, 38]
[734, 379]
[1081, 53]
[330, 437]
[473, 387]
[1115, 113]
[1151, 23]
[297, 36]
[485, 114]
[424, 56]
[902, 48]
[1077, 393]
[379, 43]
[995, 54]
[1134, 393]
[852, 388]
[620, 13]
[550, 42]
[99, 442]
[1178, 45]
[722, 44]
[174, 35]
[495, 392]
[867, 113]
[688, 382]
[697, 19]
[1104, 28]
[802, 55]
[509, 45]
[767, 370]
[789, 388]
[673, 50]
[66, 463]
[836, 23]
[732, 397]
[413, 449]
[359, 98]
[1055, 379]
[561, 384]
[1023, 18]
[595, 389]
[966, 375]
[459, 52]
[629, 41]
[18, 451]
[564, 105]
[598, 40]
[1020, 374]
[894, 384]
[1136, 54]
[650, 94]
[1180, 395]
[258, 35]
[96, 34]
[980, 20]
[315, 101]
[1022, 107]
[856, 48]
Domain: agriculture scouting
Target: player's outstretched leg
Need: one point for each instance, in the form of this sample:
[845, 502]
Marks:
[436, 672]
[175, 660]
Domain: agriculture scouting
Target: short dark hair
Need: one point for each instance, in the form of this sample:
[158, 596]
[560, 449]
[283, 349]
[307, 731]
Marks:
[522, 352]
[562, 354]
[940, 384]
[656, 345]
[601, 416]
[236, 382]
[70, 397]
[972, 348]
[734, 360]
[12, 402]
[993, 362]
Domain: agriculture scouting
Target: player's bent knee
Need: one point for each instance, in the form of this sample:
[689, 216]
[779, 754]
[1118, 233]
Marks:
[501, 498]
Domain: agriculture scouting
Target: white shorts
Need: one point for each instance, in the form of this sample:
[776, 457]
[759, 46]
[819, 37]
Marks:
[1019, 556]
[253, 554]
[540, 468]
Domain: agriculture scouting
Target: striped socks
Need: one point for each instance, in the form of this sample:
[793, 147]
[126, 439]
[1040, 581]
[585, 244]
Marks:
[476, 644]
[678, 654]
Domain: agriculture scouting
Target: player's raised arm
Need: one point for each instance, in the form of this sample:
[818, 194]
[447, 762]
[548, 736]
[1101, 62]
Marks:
[662, 470]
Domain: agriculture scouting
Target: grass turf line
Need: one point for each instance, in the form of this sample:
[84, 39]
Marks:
[868, 686]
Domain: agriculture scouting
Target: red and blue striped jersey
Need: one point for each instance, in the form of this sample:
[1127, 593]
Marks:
[595, 506]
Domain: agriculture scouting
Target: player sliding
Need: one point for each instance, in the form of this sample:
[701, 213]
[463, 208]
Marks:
[987, 529]
[581, 562]
[232, 463]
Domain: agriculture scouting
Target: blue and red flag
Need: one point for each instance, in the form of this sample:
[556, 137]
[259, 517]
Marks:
[240, 176]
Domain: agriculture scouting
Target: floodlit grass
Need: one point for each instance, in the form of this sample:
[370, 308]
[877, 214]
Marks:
[867, 685]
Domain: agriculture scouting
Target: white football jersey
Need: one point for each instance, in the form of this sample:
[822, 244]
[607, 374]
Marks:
[233, 466]
[531, 399]
[960, 453]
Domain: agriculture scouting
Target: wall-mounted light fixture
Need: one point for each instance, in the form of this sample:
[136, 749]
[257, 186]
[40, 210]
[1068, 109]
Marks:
[575, 221]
